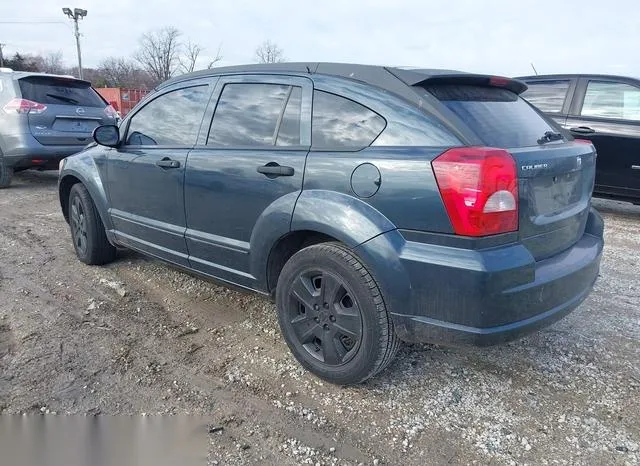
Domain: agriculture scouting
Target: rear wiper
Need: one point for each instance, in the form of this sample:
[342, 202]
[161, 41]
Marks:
[63, 98]
[550, 136]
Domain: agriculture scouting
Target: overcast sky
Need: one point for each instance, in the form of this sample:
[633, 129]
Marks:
[488, 36]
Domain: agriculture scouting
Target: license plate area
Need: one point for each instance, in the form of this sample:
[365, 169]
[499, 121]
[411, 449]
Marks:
[74, 125]
[552, 194]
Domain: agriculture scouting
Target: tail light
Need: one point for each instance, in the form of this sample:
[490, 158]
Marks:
[24, 106]
[479, 188]
[110, 112]
[498, 81]
[585, 141]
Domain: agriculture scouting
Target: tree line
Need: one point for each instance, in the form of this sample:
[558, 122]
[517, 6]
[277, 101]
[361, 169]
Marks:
[161, 54]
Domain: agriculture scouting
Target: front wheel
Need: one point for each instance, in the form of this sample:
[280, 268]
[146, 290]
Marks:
[333, 316]
[87, 230]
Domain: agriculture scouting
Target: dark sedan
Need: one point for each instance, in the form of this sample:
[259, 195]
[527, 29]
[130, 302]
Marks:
[604, 109]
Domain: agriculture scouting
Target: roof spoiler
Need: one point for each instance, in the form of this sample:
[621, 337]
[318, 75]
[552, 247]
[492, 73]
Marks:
[55, 76]
[433, 77]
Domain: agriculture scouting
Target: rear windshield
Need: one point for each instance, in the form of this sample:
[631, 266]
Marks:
[499, 117]
[59, 91]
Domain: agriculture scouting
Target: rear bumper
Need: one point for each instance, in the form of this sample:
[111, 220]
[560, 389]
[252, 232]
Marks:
[22, 149]
[484, 297]
[424, 329]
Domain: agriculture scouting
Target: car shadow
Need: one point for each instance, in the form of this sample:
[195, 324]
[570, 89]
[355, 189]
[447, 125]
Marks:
[619, 208]
[32, 179]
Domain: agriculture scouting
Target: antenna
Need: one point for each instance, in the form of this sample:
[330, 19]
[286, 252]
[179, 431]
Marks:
[534, 69]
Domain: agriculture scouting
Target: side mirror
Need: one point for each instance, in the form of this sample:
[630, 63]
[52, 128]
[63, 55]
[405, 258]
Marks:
[107, 135]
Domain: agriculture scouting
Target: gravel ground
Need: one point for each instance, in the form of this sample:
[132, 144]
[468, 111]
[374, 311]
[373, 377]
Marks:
[140, 337]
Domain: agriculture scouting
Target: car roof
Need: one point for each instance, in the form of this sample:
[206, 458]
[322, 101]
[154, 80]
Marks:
[382, 76]
[577, 75]
[354, 71]
[27, 74]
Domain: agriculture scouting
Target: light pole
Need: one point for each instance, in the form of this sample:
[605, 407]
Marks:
[75, 15]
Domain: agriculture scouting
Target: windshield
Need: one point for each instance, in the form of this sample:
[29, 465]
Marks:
[499, 117]
[59, 91]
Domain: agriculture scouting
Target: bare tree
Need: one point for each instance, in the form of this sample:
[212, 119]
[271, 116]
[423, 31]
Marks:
[51, 63]
[269, 52]
[190, 57]
[159, 52]
[216, 58]
[118, 72]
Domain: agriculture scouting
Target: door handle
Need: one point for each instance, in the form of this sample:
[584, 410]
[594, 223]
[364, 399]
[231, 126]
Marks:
[635, 167]
[273, 170]
[582, 130]
[166, 162]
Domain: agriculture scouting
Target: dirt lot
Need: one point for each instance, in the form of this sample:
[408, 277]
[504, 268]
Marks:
[139, 337]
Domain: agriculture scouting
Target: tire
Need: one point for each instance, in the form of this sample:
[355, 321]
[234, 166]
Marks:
[6, 173]
[87, 230]
[333, 316]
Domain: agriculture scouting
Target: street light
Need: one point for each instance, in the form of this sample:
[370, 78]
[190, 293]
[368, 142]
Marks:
[75, 15]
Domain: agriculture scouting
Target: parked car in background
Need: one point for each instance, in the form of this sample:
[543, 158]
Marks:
[44, 118]
[375, 204]
[604, 109]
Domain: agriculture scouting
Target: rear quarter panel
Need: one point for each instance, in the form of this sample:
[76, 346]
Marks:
[408, 195]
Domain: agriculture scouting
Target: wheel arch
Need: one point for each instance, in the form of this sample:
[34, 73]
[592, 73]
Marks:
[69, 178]
[286, 247]
[318, 216]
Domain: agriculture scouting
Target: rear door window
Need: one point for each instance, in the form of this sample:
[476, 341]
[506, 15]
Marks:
[59, 91]
[339, 123]
[548, 96]
[250, 114]
[172, 119]
[611, 100]
[499, 117]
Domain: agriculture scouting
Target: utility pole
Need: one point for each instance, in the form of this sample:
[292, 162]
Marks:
[75, 15]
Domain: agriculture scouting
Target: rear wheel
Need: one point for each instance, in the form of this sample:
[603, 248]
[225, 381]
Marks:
[6, 172]
[332, 315]
[87, 230]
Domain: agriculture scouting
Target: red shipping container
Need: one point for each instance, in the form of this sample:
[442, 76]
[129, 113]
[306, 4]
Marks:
[123, 100]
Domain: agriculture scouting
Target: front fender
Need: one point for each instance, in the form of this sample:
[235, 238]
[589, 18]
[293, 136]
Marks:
[88, 169]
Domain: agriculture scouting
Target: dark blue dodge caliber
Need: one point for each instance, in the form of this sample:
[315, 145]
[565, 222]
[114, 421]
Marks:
[376, 205]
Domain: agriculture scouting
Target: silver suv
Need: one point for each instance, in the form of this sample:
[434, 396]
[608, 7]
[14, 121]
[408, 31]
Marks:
[44, 118]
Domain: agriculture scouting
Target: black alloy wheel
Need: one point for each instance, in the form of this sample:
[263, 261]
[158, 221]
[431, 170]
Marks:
[325, 317]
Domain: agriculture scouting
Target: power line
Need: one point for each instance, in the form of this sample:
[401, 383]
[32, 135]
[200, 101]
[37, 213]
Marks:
[32, 22]
[37, 22]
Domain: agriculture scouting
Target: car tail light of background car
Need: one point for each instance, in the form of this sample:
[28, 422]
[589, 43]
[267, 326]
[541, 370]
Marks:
[479, 188]
[110, 112]
[24, 106]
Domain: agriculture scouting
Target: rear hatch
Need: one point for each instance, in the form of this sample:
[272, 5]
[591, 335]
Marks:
[555, 173]
[73, 109]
